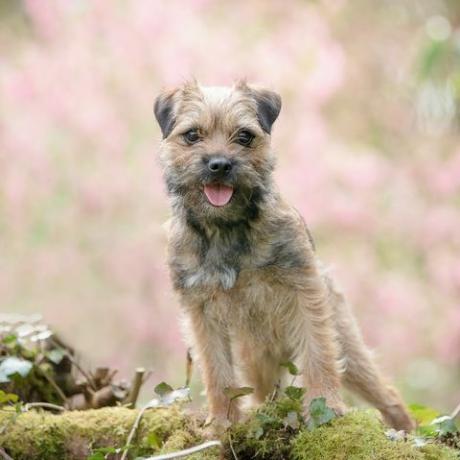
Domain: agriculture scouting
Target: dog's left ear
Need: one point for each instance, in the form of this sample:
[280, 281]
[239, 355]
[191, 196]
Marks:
[164, 112]
[268, 107]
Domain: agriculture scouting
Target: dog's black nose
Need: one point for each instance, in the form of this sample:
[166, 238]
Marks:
[220, 165]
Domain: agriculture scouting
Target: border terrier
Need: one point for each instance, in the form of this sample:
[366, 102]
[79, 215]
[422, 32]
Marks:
[252, 289]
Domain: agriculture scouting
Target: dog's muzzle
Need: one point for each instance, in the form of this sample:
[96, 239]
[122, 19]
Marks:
[216, 190]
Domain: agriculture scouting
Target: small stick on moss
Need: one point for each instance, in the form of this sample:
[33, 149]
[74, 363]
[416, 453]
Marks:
[231, 446]
[43, 405]
[456, 412]
[4, 455]
[136, 385]
[133, 431]
[186, 452]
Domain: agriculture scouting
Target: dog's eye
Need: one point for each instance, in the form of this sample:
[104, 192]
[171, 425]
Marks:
[244, 138]
[191, 136]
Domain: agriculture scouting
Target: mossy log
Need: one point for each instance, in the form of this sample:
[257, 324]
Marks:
[76, 435]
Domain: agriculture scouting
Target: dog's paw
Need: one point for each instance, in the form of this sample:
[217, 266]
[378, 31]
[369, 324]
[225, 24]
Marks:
[397, 417]
[215, 426]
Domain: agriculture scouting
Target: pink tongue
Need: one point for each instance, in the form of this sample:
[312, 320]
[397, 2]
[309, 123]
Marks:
[217, 194]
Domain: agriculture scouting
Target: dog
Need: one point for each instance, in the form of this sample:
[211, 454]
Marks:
[252, 289]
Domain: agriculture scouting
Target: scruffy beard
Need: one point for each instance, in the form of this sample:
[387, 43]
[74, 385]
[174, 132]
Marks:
[190, 200]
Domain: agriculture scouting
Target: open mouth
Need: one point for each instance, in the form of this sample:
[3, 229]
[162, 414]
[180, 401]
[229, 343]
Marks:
[218, 194]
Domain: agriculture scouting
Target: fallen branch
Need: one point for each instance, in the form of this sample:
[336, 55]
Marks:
[43, 405]
[136, 385]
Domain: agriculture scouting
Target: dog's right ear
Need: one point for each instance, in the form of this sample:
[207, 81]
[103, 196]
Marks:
[164, 112]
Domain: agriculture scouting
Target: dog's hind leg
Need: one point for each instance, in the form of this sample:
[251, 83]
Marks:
[360, 374]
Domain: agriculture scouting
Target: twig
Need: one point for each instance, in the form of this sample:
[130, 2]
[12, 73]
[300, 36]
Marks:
[44, 405]
[456, 412]
[188, 368]
[186, 452]
[81, 370]
[54, 385]
[231, 446]
[275, 391]
[136, 385]
[133, 431]
[4, 455]
[75, 363]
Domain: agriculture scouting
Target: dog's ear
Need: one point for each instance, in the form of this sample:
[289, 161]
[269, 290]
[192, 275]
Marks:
[164, 112]
[268, 107]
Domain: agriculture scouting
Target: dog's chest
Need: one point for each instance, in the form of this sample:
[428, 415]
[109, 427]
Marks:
[217, 263]
[214, 263]
[241, 289]
[257, 306]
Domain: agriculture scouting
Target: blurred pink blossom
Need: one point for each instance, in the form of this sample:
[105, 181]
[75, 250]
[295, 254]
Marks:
[82, 201]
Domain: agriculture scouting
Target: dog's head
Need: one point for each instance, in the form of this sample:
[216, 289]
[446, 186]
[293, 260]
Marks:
[216, 148]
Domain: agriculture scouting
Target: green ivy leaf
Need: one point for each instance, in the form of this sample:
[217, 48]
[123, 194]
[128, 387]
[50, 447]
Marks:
[6, 398]
[292, 420]
[294, 393]
[445, 425]
[96, 456]
[291, 367]
[320, 413]
[56, 355]
[10, 340]
[265, 419]
[233, 393]
[162, 389]
[167, 395]
[101, 453]
[13, 365]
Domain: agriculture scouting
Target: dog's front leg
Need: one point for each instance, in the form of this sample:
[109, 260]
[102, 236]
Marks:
[321, 373]
[211, 345]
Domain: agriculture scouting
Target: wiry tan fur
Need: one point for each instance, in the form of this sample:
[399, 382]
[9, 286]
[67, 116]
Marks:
[252, 289]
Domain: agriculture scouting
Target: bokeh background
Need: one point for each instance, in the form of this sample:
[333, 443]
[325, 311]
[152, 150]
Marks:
[368, 146]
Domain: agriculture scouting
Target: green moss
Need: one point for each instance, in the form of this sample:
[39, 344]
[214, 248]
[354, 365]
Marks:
[435, 452]
[73, 435]
[360, 436]
[265, 435]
